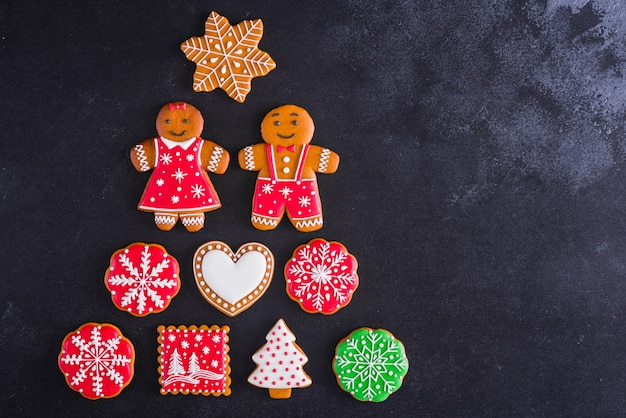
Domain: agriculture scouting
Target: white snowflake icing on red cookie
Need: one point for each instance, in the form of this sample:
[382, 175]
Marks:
[194, 360]
[321, 276]
[142, 278]
[97, 360]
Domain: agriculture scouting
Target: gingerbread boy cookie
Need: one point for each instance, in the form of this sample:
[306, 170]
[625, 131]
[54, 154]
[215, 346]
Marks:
[287, 165]
[179, 187]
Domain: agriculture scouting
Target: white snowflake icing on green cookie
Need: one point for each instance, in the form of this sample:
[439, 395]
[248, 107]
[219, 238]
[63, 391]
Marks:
[370, 364]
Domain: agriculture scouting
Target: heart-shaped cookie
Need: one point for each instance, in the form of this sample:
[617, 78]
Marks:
[232, 282]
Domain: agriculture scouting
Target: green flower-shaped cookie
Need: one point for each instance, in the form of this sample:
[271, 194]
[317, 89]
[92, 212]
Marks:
[370, 364]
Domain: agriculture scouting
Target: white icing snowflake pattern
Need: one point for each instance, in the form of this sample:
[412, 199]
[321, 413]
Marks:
[228, 57]
[215, 338]
[322, 276]
[166, 158]
[304, 201]
[141, 283]
[175, 199]
[197, 191]
[179, 175]
[160, 182]
[268, 188]
[370, 364]
[97, 360]
[285, 191]
[190, 157]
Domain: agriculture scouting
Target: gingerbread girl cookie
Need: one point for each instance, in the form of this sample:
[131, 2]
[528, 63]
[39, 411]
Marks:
[287, 165]
[179, 187]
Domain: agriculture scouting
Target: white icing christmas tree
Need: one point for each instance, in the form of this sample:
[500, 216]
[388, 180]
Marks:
[176, 367]
[279, 363]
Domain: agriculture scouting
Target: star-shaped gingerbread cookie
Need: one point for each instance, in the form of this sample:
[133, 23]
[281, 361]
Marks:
[228, 56]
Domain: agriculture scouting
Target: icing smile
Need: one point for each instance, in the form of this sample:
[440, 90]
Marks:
[180, 134]
[285, 136]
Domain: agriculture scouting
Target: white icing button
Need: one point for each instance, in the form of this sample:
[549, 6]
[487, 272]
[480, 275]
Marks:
[286, 159]
[286, 170]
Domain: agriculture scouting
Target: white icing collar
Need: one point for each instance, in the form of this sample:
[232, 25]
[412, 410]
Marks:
[184, 144]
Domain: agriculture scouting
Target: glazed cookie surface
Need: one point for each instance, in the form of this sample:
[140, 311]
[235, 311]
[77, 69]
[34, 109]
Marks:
[179, 187]
[321, 276]
[279, 363]
[194, 360]
[228, 57]
[97, 360]
[233, 282]
[370, 364]
[287, 167]
[142, 278]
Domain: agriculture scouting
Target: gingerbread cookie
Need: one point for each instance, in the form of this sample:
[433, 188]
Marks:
[279, 363]
[321, 276]
[194, 360]
[142, 278]
[179, 187]
[232, 282]
[370, 364]
[97, 360]
[228, 56]
[287, 165]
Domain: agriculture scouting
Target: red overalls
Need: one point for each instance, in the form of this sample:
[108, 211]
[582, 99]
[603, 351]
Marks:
[298, 196]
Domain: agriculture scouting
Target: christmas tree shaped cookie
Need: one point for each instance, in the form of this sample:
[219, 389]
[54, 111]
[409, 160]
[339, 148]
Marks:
[279, 363]
[370, 364]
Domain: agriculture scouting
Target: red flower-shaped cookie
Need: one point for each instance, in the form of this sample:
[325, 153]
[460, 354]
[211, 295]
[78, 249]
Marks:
[142, 278]
[97, 360]
[321, 276]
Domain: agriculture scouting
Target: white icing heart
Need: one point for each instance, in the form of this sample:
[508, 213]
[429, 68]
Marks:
[233, 281]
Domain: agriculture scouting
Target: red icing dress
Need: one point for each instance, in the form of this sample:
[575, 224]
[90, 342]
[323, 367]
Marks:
[299, 196]
[179, 183]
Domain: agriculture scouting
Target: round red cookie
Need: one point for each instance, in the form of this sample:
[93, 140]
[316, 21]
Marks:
[321, 276]
[142, 278]
[97, 360]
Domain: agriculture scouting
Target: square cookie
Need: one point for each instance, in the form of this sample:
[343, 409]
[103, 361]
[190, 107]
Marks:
[194, 360]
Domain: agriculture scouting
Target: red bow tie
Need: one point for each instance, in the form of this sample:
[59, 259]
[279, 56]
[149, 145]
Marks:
[291, 148]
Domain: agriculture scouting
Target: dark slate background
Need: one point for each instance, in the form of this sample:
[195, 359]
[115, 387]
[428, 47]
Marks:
[481, 188]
